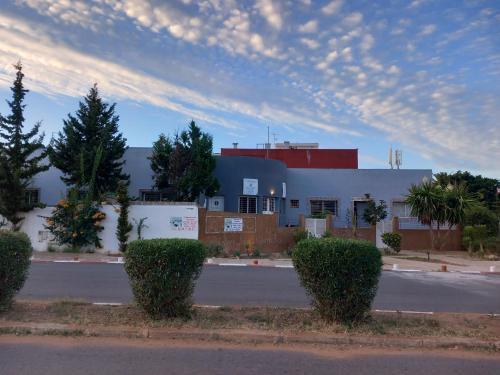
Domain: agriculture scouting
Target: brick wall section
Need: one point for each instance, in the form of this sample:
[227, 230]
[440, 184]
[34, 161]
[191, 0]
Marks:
[259, 232]
[419, 239]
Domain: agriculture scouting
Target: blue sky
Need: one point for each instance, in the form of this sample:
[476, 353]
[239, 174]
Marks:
[421, 75]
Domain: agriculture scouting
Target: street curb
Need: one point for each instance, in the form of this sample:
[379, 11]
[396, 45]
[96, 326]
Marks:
[243, 337]
[229, 264]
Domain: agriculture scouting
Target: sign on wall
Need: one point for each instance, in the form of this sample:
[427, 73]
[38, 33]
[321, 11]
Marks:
[233, 224]
[184, 223]
[284, 190]
[250, 186]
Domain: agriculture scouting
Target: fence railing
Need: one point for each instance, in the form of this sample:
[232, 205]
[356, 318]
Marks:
[414, 223]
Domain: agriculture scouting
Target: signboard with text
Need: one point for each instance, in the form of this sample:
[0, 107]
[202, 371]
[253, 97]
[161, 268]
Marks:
[250, 186]
[233, 224]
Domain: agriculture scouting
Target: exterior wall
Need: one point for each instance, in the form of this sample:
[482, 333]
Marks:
[159, 224]
[259, 232]
[345, 184]
[419, 239]
[298, 158]
[230, 171]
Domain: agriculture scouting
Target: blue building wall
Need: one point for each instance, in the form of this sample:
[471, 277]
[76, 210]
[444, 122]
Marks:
[231, 170]
[345, 184]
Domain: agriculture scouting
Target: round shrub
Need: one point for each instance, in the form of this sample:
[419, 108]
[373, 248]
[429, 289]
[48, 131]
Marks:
[392, 240]
[15, 253]
[162, 274]
[341, 276]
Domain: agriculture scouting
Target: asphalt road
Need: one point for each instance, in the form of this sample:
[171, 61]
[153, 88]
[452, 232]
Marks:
[218, 285]
[58, 356]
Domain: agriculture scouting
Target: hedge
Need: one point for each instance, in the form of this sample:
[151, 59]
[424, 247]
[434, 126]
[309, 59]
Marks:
[162, 274]
[15, 253]
[341, 276]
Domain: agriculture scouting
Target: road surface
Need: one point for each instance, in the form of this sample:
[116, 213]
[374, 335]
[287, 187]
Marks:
[61, 356]
[218, 285]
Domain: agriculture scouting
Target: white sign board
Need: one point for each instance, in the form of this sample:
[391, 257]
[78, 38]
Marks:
[284, 190]
[233, 224]
[250, 186]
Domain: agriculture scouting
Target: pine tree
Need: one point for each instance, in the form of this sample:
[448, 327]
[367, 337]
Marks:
[195, 148]
[94, 124]
[21, 154]
[160, 162]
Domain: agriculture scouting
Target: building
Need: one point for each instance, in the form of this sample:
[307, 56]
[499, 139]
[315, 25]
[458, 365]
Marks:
[288, 182]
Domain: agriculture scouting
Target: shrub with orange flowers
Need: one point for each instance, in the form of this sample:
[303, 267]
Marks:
[76, 222]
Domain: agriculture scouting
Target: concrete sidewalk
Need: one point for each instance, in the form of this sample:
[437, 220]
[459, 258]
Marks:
[454, 262]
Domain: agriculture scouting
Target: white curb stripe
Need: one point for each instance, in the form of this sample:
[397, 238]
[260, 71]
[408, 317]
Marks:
[66, 261]
[282, 266]
[107, 303]
[406, 312]
[116, 262]
[233, 264]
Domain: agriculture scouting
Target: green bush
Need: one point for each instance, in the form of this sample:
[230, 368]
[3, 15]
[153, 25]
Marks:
[299, 235]
[392, 240]
[492, 245]
[162, 274]
[479, 215]
[328, 234]
[214, 250]
[15, 253]
[341, 275]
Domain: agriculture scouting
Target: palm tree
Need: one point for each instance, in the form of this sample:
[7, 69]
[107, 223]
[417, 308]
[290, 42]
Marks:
[427, 204]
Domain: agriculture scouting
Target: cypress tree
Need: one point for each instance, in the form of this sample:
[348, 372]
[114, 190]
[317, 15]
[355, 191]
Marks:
[123, 227]
[21, 154]
[74, 149]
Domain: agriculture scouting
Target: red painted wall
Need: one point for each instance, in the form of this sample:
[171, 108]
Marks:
[294, 158]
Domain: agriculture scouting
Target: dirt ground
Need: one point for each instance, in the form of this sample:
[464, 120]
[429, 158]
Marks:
[257, 319]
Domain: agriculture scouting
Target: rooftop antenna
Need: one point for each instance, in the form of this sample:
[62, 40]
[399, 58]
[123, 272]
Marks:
[399, 158]
[275, 137]
[390, 157]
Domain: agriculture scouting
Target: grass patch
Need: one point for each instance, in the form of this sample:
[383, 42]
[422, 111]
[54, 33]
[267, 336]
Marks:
[283, 320]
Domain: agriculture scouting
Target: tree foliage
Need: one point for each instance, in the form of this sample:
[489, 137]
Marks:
[374, 212]
[484, 189]
[21, 154]
[94, 125]
[436, 206]
[185, 164]
[123, 225]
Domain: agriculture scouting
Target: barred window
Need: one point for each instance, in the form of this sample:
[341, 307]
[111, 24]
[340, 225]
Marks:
[319, 207]
[269, 204]
[31, 196]
[247, 205]
[294, 203]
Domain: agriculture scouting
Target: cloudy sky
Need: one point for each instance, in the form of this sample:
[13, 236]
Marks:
[421, 75]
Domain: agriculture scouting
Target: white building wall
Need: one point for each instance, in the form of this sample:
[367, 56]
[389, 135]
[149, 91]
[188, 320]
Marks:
[163, 221]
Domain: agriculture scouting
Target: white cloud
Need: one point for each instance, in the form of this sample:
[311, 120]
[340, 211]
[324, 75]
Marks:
[353, 19]
[309, 27]
[332, 7]
[367, 42]
[271, 12]
[393, 69]
[428, 30]
[347, 54]
[311, 43]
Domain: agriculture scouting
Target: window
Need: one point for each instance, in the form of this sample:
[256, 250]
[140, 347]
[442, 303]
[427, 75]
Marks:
[294, 203]
[248, 205]
[401, 209]
[31, 196]
[269, 204]
[152, 196]
[319, 207]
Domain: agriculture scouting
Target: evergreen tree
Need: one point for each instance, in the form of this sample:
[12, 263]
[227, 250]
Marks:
[195, 163]
[123, 225]
[21, 154]
[94, 124]
[160, 162]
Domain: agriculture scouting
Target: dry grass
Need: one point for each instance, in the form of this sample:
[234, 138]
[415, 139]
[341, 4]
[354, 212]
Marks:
[283, 320]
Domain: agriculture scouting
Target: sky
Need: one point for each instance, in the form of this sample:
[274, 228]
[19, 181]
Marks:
[422, 76]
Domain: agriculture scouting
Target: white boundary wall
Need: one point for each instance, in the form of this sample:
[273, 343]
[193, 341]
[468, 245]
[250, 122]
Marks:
[163, 221]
